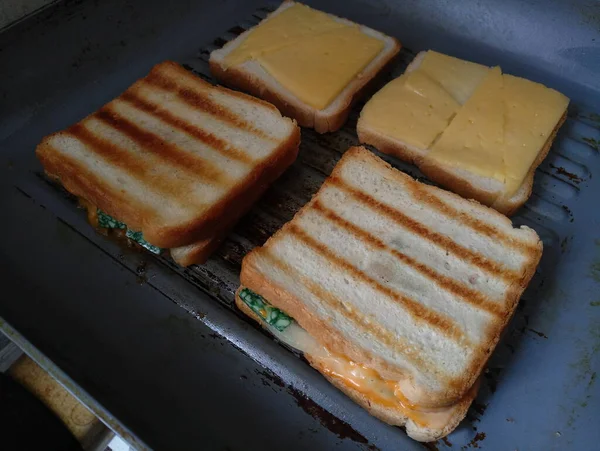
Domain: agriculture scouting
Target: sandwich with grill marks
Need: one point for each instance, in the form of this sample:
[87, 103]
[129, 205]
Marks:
[174, 161]
[396, 291]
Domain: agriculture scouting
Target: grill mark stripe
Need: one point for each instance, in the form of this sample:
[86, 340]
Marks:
[120, 158]
[459, 289]
[419, 312]
[84, 180]
[201, 101]
[191, 163]
[420, 193]
[382, 334]
[405, 221]
[214, 142]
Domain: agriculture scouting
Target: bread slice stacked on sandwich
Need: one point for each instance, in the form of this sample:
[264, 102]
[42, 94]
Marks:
[313, 66]
[173, 162]
[470, 128]
[396, 291]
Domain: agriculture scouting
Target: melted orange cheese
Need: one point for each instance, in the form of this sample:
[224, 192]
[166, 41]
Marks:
[365, 380]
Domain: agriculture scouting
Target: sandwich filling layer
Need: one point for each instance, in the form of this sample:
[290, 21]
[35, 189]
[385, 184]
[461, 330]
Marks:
[468, 116]
[308, 52]
[102, 220]
[358, 377]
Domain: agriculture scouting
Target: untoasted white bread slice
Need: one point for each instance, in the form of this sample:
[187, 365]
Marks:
[411, 280]
[174, 156]
[253, 78]
[486, 190]
[424, 426]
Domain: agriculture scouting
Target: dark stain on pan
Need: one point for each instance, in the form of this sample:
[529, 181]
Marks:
[140, 270]
[491, 376]
[564, 244]
[480, 436]
[569, 212]
[431, 446]
[447, 442]
[219, 42]
[538, 333]
[562, 171]
[237, 30]
[339, 427]
[593, 143]
[479, 408]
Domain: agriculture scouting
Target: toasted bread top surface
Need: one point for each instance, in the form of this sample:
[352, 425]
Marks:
[161, 155]
[410, 279]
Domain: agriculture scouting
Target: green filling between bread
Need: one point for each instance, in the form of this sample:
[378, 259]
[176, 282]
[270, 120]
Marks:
[108, 222]
[269, 314]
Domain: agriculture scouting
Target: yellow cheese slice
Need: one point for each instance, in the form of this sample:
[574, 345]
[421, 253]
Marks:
[532, 112]
[317, 68]
[475, 137]
[459, 77]
[278, 31]
[415, 118]
[308, 52]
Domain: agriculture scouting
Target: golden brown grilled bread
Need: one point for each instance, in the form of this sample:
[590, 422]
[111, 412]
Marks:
[173, 156]
[413, 281]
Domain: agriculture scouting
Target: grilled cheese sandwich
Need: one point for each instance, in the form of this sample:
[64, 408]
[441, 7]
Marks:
[404, 288]
[174, 160]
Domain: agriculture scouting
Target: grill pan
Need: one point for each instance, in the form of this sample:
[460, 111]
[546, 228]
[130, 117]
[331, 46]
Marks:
[159, 351]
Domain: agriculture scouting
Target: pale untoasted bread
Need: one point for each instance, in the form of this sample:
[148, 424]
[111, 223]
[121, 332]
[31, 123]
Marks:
[252, 78]
[412, 280]
[173, 157]
[394, 416]
[469, 185]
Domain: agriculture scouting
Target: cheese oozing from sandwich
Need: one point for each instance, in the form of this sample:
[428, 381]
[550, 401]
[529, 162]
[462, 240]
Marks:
[469, 116]
[308, 52]
[361, 378]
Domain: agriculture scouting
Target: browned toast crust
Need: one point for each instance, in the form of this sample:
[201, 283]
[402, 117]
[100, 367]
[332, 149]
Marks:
[83, 182]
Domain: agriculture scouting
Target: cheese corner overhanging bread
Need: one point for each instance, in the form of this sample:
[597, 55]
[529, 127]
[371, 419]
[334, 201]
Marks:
[309, 64]
[395, 290]
[172, 162]
[470, 128]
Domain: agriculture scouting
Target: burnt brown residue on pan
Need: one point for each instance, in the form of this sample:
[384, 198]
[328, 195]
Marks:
[562, 171]
[479, 408]
[538, 333]
[491, 376]
[480, 436]
[339, 427]
[141, 273]
[447, 442]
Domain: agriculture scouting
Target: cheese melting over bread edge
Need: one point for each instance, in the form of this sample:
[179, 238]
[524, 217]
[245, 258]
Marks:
[361, 378]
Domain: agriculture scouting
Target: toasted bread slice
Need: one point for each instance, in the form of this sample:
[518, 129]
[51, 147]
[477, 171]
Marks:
[412, 280]
[174, 156]
[198, 253]
[420, 425]
[254, 79]
[486, 190]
